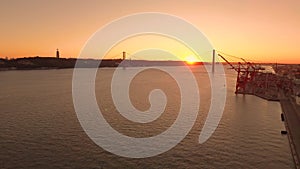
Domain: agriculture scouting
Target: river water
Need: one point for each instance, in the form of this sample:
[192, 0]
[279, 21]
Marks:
[39, 127]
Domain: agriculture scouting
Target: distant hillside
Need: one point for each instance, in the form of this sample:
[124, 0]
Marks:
[30, 63]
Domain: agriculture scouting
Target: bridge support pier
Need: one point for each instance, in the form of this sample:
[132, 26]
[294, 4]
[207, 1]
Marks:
[213, 61]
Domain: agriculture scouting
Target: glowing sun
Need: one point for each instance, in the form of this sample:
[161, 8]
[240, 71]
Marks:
[190, 60]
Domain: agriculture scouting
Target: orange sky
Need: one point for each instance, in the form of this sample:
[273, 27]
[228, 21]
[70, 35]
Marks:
[261, 30]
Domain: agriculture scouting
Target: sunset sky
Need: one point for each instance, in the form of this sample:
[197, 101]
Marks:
[260, 30]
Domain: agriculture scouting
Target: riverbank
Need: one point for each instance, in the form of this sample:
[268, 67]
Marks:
[292, 123]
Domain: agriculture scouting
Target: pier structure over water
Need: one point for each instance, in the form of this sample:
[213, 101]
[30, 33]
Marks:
[281, 84]
[263, 81]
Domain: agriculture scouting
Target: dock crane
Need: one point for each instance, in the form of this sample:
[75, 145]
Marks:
[252, 79]
[246, 73]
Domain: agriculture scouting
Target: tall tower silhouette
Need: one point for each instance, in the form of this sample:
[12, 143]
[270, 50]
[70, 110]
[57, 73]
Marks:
[57, 53]
[124, 55]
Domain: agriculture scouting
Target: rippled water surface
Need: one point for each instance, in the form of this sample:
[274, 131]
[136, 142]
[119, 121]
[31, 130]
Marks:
[39, 127]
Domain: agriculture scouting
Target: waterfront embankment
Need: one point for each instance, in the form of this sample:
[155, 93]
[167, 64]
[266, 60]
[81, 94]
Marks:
[291, 113]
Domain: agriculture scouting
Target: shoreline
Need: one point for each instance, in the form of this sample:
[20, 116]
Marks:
[292, 124]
